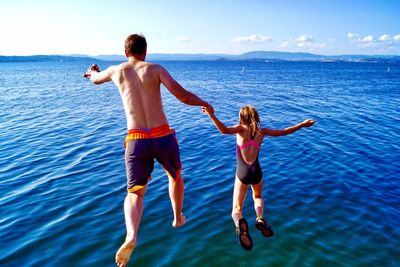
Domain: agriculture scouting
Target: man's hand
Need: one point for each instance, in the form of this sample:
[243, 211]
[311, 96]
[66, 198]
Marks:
[94, 67]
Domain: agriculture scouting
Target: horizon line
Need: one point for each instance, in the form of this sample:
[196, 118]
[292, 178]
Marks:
[199, 53]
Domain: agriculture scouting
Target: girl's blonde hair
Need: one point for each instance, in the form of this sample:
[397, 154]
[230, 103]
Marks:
[248, 116]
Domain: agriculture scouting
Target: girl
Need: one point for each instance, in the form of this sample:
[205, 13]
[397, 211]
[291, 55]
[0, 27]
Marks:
[249, 136]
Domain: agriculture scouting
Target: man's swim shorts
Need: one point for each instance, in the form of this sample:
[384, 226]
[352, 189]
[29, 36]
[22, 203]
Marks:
[142, 146]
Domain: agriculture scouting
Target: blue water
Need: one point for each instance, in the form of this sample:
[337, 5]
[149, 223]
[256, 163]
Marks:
[331, 192]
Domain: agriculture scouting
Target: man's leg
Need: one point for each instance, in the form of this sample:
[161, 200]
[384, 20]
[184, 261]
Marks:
[176, 191]
[133, 210]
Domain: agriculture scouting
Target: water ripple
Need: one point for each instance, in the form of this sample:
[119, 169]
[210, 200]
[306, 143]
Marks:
[331, 192]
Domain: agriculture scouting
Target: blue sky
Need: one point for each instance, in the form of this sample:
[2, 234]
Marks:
[328, 27]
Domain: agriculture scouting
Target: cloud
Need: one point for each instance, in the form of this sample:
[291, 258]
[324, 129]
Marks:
[183, 39]
[304, 39]
[254, 38]
[363, 42]
[352, 36]
[384, 38]
[371, 39]
[308, 41]
[367, 39]
[285, 44]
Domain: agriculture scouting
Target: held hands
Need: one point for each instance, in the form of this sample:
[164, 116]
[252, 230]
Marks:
[308, 123]
[209, 110]
[94, 67]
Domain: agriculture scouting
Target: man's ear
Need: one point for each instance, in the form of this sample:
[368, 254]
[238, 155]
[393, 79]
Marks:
[126, 54]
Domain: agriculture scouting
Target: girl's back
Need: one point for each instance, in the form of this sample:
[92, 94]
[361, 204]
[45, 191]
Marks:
[249, 145]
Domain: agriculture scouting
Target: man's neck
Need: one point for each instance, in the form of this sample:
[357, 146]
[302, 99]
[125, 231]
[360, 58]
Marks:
[136, 58]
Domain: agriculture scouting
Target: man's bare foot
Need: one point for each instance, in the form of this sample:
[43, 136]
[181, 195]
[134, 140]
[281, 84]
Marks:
[124, 253]
[179, 221]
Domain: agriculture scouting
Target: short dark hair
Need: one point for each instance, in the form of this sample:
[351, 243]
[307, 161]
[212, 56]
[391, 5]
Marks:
[135, 44]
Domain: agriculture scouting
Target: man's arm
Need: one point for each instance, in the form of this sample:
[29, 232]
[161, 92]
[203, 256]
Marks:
[96, 76]
[179, 92]
[288, 130]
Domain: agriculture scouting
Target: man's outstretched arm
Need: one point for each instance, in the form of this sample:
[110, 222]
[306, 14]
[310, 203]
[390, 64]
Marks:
[96, 76]
[181, 93]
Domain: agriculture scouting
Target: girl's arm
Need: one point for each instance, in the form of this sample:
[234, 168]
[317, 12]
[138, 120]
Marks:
[288, 130]
[221, 126]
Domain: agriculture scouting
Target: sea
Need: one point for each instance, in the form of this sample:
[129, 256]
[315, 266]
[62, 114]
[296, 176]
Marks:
[331, 192]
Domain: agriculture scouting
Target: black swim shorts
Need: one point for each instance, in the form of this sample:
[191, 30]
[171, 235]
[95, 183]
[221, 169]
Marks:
[142, 147]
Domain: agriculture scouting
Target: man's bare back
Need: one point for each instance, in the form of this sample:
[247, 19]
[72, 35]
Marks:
[139, 86]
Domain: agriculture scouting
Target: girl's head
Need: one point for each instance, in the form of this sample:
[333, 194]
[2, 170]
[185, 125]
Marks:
[248, 116]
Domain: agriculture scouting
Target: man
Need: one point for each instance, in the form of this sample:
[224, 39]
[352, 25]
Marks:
[149, 135]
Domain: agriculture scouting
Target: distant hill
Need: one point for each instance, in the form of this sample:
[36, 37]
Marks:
[254, 55]
[204, 57]
[165, 57]
[290, 56]
[279, 55]
[110, 57]
[43, 58]
[261, 56]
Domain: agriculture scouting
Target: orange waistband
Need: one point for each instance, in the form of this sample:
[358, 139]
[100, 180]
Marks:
[156, 132]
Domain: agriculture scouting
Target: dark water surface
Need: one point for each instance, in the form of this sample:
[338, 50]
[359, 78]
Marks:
[332, 192]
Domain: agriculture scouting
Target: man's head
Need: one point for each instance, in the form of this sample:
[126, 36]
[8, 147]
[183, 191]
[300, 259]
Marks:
[135, 44]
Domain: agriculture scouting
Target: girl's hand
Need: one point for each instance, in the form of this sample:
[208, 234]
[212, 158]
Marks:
[207, 111]
[308, 123]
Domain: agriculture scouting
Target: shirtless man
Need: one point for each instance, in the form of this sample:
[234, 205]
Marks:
[149, 135]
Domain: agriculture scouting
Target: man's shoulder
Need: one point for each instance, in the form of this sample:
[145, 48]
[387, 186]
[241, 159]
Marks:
[152, 65]
[117, 66]
[129, 65]
[147, 67]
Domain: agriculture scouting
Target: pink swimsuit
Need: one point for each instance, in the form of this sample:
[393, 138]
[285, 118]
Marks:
[250, 143]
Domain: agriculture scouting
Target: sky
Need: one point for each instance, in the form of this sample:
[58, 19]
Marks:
[325, 27]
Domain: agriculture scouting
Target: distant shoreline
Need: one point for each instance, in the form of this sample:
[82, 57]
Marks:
[267, 56]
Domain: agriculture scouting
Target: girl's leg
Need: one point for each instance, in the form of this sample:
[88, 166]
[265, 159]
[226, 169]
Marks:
[257, 198]
[242, 228]
[261, 224]
[239, 195]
